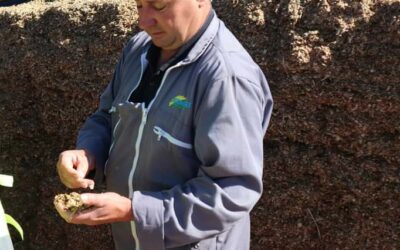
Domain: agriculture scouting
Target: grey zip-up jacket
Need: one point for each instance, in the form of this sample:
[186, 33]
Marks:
[192, 161]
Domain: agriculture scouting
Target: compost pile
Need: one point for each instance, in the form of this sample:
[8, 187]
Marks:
[331, 170]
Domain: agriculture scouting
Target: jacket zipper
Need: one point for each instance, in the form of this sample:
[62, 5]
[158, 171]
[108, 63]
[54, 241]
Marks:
[135, 160]
[114, 109]
[111, 147]
[139, 139]
[161, 133]
[137, 147]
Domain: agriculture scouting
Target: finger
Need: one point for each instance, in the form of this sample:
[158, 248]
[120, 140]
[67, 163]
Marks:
[66, 179]
[82, 166]
[73, 180]
[70, 179]
[91, 199]
[85, 183]
[69, 175]
[66, 165]
[87, 217]
[92, 216]
[72, 183]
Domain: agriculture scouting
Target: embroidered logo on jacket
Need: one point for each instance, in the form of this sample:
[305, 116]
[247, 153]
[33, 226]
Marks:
[179, 102]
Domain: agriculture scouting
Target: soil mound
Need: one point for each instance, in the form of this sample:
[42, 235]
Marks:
[331, 175]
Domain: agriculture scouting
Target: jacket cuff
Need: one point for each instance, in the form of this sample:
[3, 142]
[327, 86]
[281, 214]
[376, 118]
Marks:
[148, 212]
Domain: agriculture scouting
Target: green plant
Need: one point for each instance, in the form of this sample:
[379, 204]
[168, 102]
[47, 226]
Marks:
[5, 238]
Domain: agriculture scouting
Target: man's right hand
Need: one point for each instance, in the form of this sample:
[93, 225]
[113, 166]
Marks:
[73, 166]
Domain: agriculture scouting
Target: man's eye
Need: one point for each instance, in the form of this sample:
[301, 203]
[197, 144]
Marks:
[159, 6]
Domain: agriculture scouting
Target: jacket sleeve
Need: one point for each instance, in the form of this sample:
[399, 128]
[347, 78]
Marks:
[230, 125]
[95, 134]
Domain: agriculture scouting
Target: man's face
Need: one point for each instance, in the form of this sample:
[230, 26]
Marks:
[170, 23]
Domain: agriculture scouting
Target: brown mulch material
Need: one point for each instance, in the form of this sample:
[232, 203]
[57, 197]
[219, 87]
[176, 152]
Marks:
[331, 171]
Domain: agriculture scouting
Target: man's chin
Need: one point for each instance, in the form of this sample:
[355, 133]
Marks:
[165, 44]
[157, 42]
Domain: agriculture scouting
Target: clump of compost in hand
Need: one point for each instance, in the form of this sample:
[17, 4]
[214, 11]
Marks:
[68, 205]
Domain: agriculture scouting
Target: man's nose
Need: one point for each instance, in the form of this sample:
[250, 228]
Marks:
[146, 20]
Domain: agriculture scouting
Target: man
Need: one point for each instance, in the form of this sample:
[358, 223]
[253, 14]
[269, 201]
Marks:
[178, 135]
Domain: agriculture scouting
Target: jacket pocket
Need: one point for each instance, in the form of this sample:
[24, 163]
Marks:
[161, 134]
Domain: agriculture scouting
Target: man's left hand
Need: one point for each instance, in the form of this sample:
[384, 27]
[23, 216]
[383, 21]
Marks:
[104, 208]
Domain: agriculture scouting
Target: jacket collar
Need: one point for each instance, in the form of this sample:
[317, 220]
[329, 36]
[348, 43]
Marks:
[204, 41]
[200, 46]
